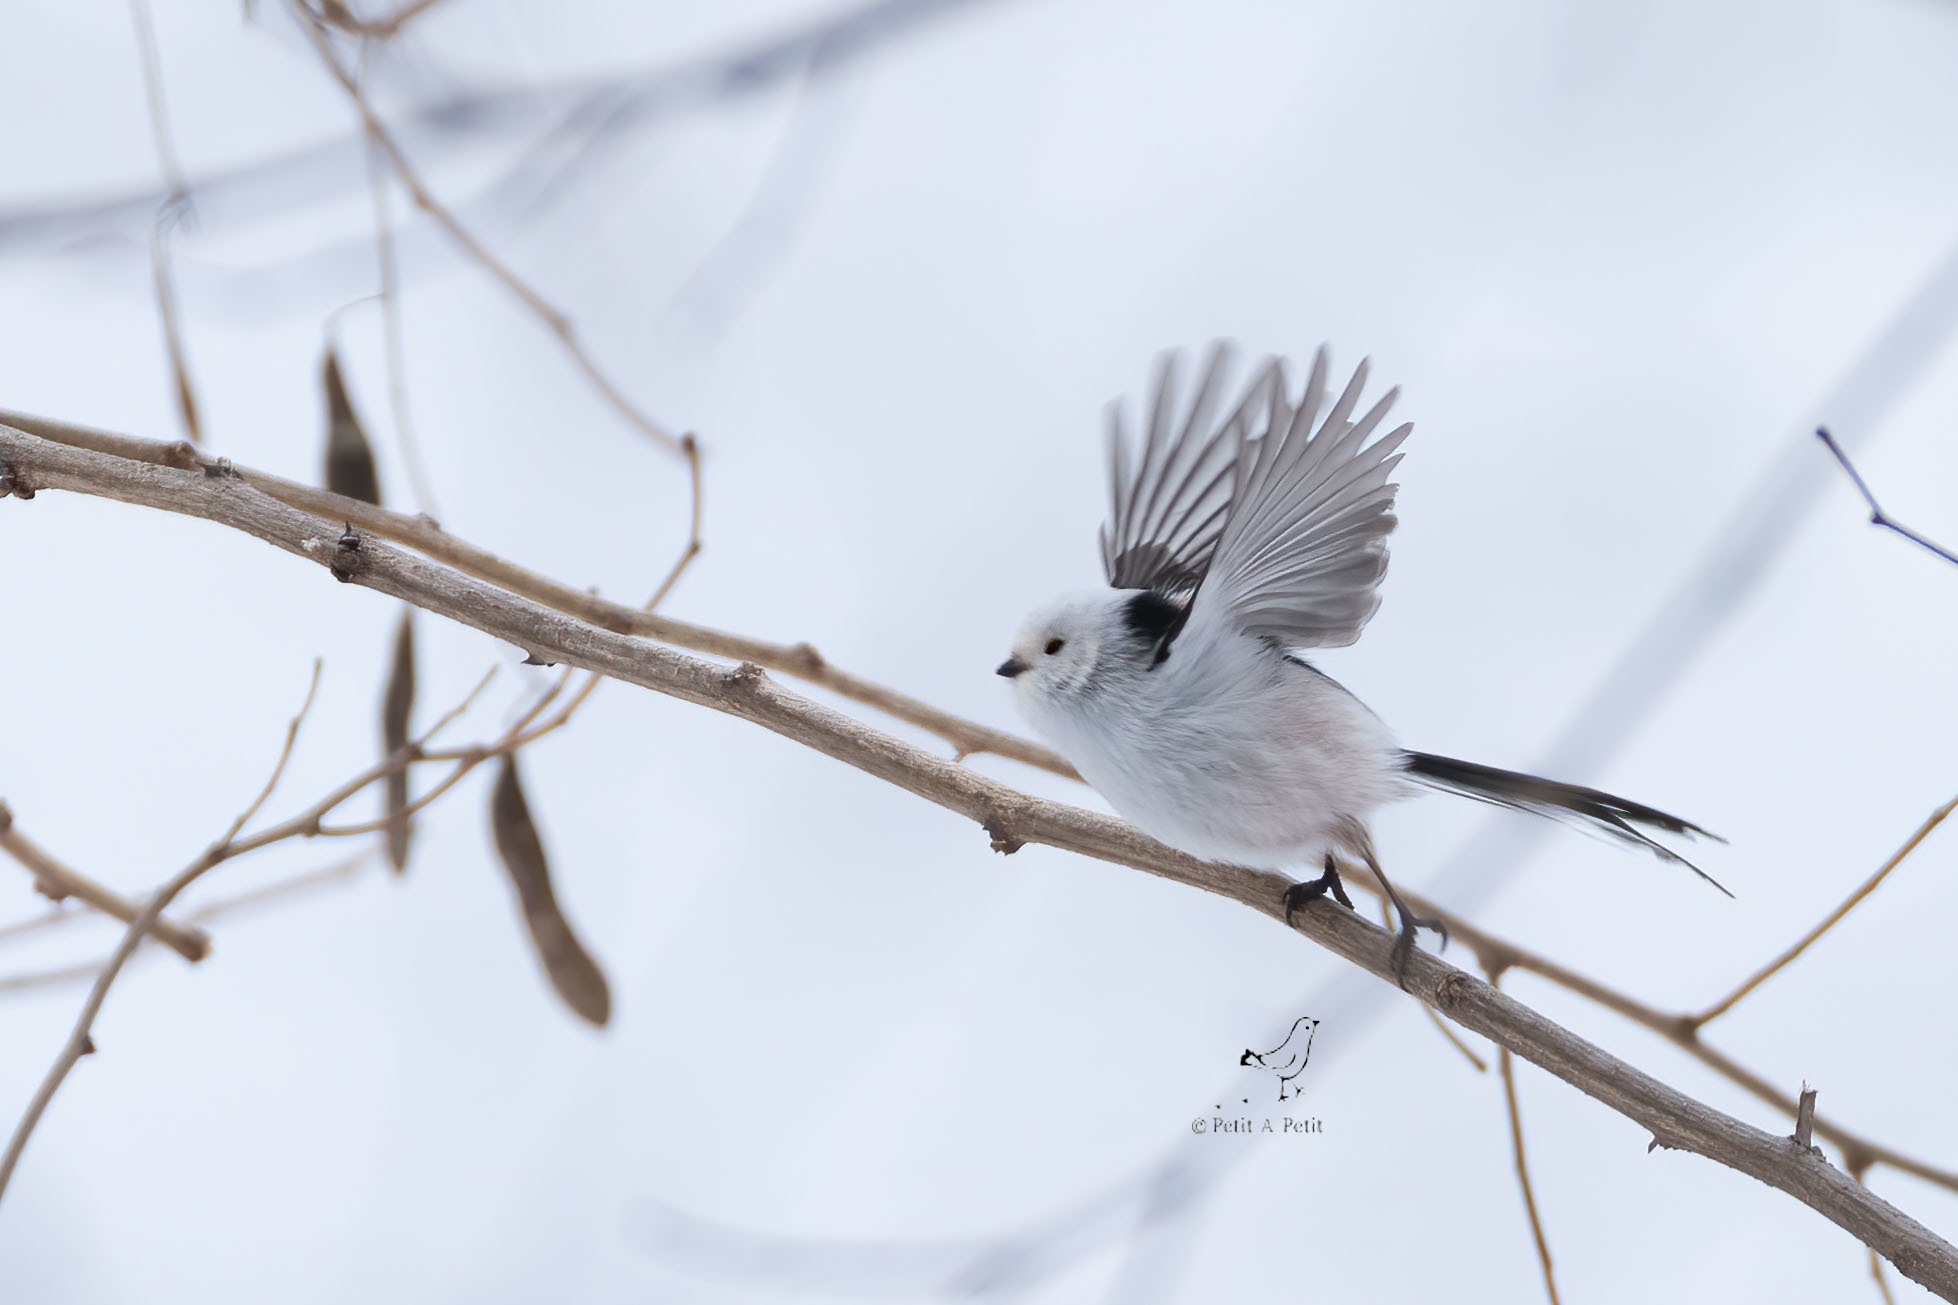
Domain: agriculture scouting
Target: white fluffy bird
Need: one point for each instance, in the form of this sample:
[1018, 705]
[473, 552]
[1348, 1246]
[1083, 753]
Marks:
[1178, 692]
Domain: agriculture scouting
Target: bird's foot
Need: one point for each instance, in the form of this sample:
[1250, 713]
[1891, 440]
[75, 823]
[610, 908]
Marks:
[1411, 925]
[1311, 890]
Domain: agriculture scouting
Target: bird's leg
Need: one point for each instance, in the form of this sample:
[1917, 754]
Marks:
[1410, 922]
[1313, 889]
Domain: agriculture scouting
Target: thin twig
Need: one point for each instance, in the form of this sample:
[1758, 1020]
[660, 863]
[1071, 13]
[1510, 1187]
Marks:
[392, 331]
[462, 116]
[80, 1043]
[297, 885]
[1876, 1271]
[1492, 952]
[380, 29]
[58, 881]
[52, 917]
[173, 331]
[1877, 517]
[1012, 818]
[230, 846]
[169, 213]
[164, 138]
[306, 881]
[1829, 921]
[1859, 1169]
[1505, 1065]
[309, 823]
[58, 976]
[554, 320]
[520, 734]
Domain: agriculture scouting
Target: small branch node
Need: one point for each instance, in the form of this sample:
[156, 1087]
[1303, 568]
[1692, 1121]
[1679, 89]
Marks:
[805, 660]
[1454, 991]
[12, 484]
[346, 561]
[1805, 1120]
[1000, 826]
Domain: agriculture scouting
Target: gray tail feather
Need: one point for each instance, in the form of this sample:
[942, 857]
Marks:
[1590, 808]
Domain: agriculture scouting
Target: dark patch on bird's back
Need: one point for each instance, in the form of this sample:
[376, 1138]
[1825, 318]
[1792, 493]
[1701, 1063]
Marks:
[1155, 620]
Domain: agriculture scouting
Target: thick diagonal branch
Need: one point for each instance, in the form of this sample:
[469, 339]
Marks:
[1673, 1119]
[425, 536]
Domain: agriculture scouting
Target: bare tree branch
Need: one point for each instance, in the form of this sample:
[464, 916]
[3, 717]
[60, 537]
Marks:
[80, 1043]
[553, 319]
[264, 190]
[57, 882]
[969, 736]
[228, 847]
[1500, 954]
[383, 28]
[1013, 819]
[1877, 515]
[801, 660]
[170, 211]
[1829, 921]
[394, 333]
[1506, 1065]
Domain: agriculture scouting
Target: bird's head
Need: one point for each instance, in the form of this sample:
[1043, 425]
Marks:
[1060, 650]
[1080, 643]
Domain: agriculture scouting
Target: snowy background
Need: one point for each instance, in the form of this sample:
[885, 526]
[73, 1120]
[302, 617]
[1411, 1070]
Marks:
[1621, 258]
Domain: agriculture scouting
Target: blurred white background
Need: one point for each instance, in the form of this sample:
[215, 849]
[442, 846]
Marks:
[1621, 259]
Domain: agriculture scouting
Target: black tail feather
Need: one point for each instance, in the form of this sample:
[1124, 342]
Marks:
[1609, 815]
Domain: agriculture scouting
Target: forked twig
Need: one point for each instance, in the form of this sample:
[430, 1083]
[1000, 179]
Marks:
[230, 846]
[58, 882]
[80, 1043]
[315, 27]
[1829, 921]
[1877, 515]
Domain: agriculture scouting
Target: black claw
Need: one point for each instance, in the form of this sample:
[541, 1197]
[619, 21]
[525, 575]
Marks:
[1411, 925]
[1311, 890]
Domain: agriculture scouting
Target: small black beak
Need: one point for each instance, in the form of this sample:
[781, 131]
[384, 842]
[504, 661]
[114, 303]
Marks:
[1010, 667]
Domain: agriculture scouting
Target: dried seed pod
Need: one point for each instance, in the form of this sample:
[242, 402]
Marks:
[349, 457]
[397, 707]
[572, 971]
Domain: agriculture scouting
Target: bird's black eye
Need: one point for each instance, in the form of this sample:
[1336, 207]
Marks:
[1055, 645]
